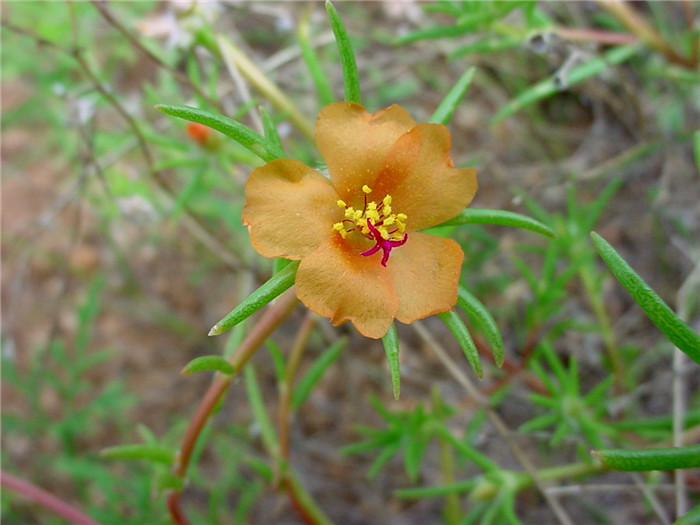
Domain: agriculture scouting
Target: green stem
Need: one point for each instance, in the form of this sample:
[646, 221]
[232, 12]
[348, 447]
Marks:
[303, 501]
[596, 300]
[267, 324]
[452, 512]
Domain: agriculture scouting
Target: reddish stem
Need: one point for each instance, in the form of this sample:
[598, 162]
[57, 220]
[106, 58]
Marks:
[267, 324]
[47, 500]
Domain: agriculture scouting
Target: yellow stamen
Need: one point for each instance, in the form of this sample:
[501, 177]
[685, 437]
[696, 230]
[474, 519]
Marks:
[391, 226]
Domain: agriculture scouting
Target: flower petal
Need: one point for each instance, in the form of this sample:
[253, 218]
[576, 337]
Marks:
[419, 174]
[335, 281]
[290, 209]
[426, 274]
[353, 143]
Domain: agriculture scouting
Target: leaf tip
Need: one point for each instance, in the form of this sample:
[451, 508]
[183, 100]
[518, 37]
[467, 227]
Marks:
[215, 330]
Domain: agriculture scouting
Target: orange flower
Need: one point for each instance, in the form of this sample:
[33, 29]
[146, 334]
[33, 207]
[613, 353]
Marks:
[204, 136]
[356, 232]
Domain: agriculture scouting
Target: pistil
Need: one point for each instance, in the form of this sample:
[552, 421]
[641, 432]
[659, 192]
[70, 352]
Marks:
[375, 222]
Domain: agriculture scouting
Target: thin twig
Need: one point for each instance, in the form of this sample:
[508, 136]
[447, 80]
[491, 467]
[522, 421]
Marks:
[287, 383]
[680, 394]
[496, 420]
[633, 21]
[181, 77]
[46, 500]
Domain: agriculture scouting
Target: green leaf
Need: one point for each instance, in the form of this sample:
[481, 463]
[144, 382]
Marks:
[691, 518]
[307, 383]
[488, 44]
[278, 283]
[433, 32]
[415, 450]
[245, 136]
[271, 132]
[320, 80]
[208, 362]
[168, 481]
[649, 459]
[154, 453]
[549, 87]
[257, 405]
[500, 217]
[391, 347]
[351, 77]
[436, 491]
[447, 107]
[459, 330]
[484, 320]
[656, 309]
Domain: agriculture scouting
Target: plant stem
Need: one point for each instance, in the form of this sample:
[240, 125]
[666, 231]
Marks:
[46, 500]
[285, 387]
[452, 511]
[629, 18]
[596, 299]
[303, 502]
[267, 324]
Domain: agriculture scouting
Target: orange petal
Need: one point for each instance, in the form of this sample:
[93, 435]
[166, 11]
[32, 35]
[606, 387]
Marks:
[419, 174]
[353, 143]
[337, 282]
[290, 209]
[426, 273]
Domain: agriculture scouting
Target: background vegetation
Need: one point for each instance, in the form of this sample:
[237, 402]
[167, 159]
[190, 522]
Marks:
[122, 245]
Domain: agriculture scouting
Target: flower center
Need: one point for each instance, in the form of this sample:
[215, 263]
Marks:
[376, 222]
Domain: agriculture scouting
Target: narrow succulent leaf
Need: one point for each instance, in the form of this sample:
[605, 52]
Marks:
[691, 518]
[235, 58]
[271, 133]
[245, 136]
[500, 217]
[319, 78]
[491, 12]
[432, 32]
[662, 423]
[485, 321]
[351, 77]
[539, 423]
[257, 405]
[277, 359]
[278, 283]
[391, 347]
[307, 383]
[593, 212]
[443, 114]
[466, 450]
[551, 86]
[649, 459]
[696, 148]
[384, 456]
[168, 481]
[439, 490]
[415, 449]
[154, 453]
[656, 309]
[208, 362]
[459, 330]
[489, 44]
